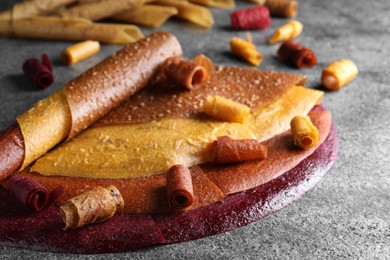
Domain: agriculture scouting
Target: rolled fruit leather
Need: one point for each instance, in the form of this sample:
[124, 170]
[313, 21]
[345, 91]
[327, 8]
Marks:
[98, 10]
[83, 100]
[33, 8]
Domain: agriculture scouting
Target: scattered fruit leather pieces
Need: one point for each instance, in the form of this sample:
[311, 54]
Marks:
[251, 18]
[282, 156]
[39, 72]
[31, 193]
[297, 55]
[43, 230]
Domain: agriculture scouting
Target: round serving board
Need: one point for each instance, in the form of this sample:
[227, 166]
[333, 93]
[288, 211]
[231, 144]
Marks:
[44, 230]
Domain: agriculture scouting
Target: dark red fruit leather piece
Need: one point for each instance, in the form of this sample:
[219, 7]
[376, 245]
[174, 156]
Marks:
[40, 73]
[43, 230]
[296, 54]
[46, 62]
[119, 234]
[31, 194]
[251, 18]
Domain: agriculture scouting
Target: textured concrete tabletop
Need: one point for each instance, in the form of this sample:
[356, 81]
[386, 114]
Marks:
[347, 215]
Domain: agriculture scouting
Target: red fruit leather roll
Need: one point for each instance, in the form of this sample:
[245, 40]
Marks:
[179, 187]
[40, 73]
[186, 73]
[251, 18]
[12, 151]
[293, 53]
[31, 193]
[227, 150]
[46, 62]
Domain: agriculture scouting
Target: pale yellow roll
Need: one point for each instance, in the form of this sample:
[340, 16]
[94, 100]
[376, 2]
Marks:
[98, 10]
[305, 134]
[225, 109]
[225, 4]
[80, 51]
[287, 32]
[338, 74]
[33, 8]
[73, 29]
[259, 2]
[190, 12]
[246, 50]
[148, 15]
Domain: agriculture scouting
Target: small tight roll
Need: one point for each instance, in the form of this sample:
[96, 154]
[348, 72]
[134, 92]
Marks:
[246, 50]
[80, 51]
[179, 187]
[31, 193]
[286, 32]
[305, 134]
[186, 73]
[227, 150]
[297, 55]
[338, 74]
[251, 18]
[282, 8]
[226, 109]
[39, 72]
[206, 63]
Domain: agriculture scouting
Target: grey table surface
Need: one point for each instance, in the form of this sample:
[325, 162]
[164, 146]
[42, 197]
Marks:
[347, 215]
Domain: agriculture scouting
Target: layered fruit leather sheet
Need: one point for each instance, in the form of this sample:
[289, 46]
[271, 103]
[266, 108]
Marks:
[232, 195]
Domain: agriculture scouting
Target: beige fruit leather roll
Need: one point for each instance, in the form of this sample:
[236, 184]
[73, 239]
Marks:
[94, 93]
[148, 15]
[98, 10]
[33, 8]
[93, 206]
[226, 4]
[72, 29]
[190, 12]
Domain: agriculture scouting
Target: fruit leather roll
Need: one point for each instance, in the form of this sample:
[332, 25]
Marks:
[179, 187]
[185, 73]
[83, 100]
[100, 10]
[227, 150]
[30, 193]
[32, 8]
[70, 29]
[296, 54]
